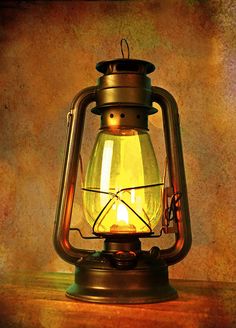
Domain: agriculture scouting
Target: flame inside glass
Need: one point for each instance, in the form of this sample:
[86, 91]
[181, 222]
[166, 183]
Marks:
[122, 192]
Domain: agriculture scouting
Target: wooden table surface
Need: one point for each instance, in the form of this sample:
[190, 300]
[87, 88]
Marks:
[38, 300]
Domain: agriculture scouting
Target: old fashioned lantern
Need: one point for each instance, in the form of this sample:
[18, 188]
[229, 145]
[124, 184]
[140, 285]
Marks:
[123, 195]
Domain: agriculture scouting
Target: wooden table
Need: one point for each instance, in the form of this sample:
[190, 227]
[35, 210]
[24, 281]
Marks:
[38, 301]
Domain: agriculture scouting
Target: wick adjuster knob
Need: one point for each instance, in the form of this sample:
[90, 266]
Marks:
[124, 260]
[155, 252]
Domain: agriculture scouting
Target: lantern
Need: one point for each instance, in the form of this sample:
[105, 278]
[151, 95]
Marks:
[124, 196]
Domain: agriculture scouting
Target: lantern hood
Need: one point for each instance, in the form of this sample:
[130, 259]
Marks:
[124, 84]
[124, 65]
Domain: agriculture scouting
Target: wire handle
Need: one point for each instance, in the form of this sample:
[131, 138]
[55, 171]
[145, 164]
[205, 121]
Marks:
[122, 41]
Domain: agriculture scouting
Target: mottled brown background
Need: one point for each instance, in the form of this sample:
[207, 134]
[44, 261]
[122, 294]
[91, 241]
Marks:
[49, 51]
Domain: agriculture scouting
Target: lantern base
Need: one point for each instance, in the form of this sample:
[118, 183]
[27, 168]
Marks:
[99, 279]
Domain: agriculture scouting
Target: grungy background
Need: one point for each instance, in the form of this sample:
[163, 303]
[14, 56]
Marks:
[48, 52]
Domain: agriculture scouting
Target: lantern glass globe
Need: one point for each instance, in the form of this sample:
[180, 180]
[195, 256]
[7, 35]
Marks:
[122, 191]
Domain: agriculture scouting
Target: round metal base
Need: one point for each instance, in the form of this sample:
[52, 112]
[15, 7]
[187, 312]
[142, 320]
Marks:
[97, 280]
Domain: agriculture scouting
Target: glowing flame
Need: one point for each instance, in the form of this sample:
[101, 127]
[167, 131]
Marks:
[122, 214]
[132, 196]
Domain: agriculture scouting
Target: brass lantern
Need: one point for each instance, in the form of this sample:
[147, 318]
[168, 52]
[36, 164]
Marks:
[124, 196]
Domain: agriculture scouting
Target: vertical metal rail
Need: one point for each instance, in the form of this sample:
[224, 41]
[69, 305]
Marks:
[176, 172]
[76, 119]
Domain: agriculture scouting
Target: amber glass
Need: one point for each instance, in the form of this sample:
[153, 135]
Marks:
[122, 191]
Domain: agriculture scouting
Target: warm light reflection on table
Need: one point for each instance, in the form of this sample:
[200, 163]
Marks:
[39, 301]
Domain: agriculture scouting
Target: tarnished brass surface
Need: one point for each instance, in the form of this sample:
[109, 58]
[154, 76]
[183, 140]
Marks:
[183, 237]
[76, 119]
[124, 86]
[97, 279]
[128, 65]
[125, 116]
[123, 99]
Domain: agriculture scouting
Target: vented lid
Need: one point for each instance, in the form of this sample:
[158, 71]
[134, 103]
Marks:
[124, 65]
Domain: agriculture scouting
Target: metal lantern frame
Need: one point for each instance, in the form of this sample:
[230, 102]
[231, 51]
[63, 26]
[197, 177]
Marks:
[122, 272]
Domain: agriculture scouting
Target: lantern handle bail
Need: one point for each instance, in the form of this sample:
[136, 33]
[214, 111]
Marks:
[122, 41]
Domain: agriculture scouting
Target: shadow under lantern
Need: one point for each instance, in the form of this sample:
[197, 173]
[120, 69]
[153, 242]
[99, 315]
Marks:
[124, 197]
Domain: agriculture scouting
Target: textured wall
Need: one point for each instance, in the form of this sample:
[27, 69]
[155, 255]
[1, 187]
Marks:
[48, 52]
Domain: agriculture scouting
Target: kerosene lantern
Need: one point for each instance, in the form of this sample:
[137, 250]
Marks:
[124, 196]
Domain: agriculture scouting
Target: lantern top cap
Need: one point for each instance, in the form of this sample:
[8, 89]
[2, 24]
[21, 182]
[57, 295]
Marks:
[124, 65]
